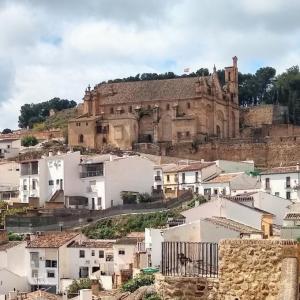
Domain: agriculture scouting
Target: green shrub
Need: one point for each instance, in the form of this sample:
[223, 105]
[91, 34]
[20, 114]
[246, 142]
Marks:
[153, 296]
[15, 237]
[76, 285]
[128, 197]
[135, 283]
[29, 140]
[144, 198]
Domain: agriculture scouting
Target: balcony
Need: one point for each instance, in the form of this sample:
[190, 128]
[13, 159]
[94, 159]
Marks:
[157, 178]
[91, 174]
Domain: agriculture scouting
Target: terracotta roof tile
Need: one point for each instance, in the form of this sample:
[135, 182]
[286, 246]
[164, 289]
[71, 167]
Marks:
[223, 178]
[281, 170]
[149, 90]
[51, 240]
[102, 244]
[8, 245]
[233, 225]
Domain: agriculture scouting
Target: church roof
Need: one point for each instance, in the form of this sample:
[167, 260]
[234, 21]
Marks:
[151, 90]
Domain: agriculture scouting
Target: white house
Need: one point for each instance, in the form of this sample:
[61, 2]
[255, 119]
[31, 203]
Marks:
[12, 265]
[210, 230]
[228, 166]
[9, 181]
[9, 147]
[90, 256]
[276, 205]
[50, 177]
[190, 177]
[230, 184]
[104, 177]
[153, 240]
[282, 181]
[47, 259]
[233, 210]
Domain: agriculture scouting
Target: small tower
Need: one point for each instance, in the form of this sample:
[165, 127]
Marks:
[231, 79]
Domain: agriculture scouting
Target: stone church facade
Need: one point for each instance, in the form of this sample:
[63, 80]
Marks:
[162, 112]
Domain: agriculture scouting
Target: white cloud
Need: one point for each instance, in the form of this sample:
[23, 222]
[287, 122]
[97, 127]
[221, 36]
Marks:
[56, 48]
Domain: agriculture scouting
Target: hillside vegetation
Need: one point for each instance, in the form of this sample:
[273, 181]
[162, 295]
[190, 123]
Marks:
[117, 227]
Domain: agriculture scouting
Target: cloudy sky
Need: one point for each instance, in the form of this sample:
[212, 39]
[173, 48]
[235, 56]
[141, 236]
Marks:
[54, 48]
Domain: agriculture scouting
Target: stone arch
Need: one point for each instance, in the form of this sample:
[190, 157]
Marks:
[220, 124]
[146, 129]
[80, 139]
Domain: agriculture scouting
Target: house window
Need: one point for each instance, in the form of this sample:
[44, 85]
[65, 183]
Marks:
[51, 263]
[168, 178]
[288, 195]
[83, 272]
[121, 252]
[168, 107]
[99, 200]
[50, 274]
[101, 254]
[57, 181]
[24, 185]
[51, 182]
[130, 109]
[288, 182]
[109, 257]
[34, 273]
[187, 133]
[86, 124]
[196, 176]
[183, 177]
[80, 138]
[93, 253]
[197, 190]
[277, 194]
[34, 259]
[207, 191]
[33, 184]
[188, 105]
[111, 110]
[215, 191]
[267, 183]
[81, 253]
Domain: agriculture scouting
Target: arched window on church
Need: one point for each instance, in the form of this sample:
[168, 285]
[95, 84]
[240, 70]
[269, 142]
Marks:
[80, 138]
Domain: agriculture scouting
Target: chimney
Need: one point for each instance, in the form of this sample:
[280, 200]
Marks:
[85, 294]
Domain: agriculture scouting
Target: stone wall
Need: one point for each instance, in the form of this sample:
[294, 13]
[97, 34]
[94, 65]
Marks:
[179, 288]
[265, 153]
[253, 269]
[257, 116]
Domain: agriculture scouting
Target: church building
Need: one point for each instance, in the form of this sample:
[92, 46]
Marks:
[161, 112]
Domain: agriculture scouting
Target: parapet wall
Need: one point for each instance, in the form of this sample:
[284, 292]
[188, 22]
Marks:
[177, 288]
[257, 269]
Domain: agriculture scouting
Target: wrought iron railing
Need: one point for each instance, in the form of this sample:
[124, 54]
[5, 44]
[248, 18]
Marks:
[91, 174]
[189, 259]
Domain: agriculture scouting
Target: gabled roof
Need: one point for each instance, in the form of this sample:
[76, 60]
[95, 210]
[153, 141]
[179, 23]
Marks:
[194, 166]
[281, 170]
[150, 90]
[101, 244]
[223, 178]
[52, 240]
[233, 225]
[7, 245]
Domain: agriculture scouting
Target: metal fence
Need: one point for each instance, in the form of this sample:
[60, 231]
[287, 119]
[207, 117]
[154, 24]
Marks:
[189, 259]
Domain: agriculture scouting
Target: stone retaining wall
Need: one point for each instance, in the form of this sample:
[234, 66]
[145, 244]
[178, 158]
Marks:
[252, 269]
[181, 288]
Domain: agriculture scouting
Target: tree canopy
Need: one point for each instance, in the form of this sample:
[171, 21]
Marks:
[33, 113]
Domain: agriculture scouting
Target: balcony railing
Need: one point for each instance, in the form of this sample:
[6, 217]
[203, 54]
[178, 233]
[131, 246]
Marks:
[190, 259]
[157, 178]
[91, 174]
